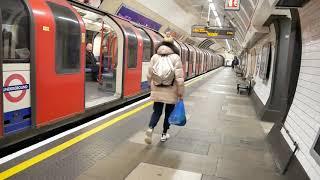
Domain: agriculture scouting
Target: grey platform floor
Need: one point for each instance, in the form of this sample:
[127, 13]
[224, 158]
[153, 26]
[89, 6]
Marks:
[223, 140]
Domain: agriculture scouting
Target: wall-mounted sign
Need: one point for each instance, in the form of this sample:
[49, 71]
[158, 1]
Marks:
[93, 3]
[232, 5]
[212, 32]
[174, 33]
[134, 16]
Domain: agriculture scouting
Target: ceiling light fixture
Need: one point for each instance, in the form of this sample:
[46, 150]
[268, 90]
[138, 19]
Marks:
[228, 44]
[219, 22]
[212, 6]
[215, 14]
[214, 10]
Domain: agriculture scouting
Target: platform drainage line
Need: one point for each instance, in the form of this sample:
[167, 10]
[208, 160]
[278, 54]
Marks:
[28, 163]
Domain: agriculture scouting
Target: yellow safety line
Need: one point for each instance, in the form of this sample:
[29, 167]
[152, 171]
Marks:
[40, 157]
[28, 163]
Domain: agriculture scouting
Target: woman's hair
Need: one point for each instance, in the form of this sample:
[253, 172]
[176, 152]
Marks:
[170, 45]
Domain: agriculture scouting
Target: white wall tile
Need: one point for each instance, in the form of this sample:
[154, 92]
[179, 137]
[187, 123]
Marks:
[303, 120]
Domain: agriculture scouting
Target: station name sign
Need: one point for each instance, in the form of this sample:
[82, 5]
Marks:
[232, 5]
[212, 32]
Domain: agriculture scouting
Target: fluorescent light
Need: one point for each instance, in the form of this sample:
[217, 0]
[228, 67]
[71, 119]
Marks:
[38, 12]
[228, 44]
[87, 20]
[212, 6]
[218, 21]
[215, 13]
[68, 19]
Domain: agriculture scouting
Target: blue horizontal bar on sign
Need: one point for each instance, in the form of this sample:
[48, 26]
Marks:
[17, 126]
[145, 85]
[17, 120]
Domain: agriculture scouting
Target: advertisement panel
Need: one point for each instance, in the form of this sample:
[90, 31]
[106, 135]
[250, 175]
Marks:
[136, 17]
[174, 33]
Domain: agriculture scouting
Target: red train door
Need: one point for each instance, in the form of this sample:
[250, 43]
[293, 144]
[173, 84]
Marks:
[132, 58]
[59, 61]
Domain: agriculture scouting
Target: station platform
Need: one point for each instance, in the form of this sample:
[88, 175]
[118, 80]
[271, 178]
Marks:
[222, 140]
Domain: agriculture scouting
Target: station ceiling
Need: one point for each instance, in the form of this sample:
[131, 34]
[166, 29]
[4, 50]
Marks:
[185, 13]
[240, 20]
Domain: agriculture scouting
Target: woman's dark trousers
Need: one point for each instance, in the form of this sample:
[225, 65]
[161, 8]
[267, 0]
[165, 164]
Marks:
[157, 111]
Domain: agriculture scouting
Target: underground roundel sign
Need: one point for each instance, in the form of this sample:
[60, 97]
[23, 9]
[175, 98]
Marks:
[15, 88]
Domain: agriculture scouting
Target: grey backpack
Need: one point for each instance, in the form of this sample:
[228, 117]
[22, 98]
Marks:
[163, 71]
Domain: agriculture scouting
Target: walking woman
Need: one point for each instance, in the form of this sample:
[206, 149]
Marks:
[166, 89]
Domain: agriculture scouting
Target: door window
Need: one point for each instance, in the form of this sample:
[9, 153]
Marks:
[146, 46]
[68, 39]
[132, 47]
[15, 32]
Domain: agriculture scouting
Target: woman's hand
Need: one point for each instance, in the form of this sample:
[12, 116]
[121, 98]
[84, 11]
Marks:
[180, 96]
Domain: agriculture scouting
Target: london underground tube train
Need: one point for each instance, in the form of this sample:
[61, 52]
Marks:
[46, 83]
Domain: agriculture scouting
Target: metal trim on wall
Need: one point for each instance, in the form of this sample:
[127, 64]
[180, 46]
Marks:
[295, 54]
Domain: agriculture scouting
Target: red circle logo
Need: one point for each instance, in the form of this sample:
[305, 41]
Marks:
[7, 84]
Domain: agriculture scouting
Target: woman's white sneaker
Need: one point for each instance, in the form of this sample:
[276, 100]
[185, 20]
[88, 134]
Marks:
[164, 137]
[148, 138]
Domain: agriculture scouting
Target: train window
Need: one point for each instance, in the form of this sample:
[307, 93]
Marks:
[15, 31]
[146, 46]
[132, 47]
[68, 39]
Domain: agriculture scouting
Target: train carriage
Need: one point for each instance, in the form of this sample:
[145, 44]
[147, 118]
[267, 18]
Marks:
[46, 82]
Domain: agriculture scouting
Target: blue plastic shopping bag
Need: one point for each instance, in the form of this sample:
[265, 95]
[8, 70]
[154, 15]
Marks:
[178, 115]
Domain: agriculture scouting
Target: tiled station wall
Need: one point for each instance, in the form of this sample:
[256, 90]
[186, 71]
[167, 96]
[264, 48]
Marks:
[262, 87]
[303, 120]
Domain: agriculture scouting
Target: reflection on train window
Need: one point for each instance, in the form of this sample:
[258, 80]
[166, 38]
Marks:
[177, 47]
[185, 53]
[146, 46]
[132, 47]
[68, 39]
[193, 55]
[159, 39]
[15, 31]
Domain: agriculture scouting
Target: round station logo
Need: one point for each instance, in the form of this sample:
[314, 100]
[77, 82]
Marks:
[15, 93]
